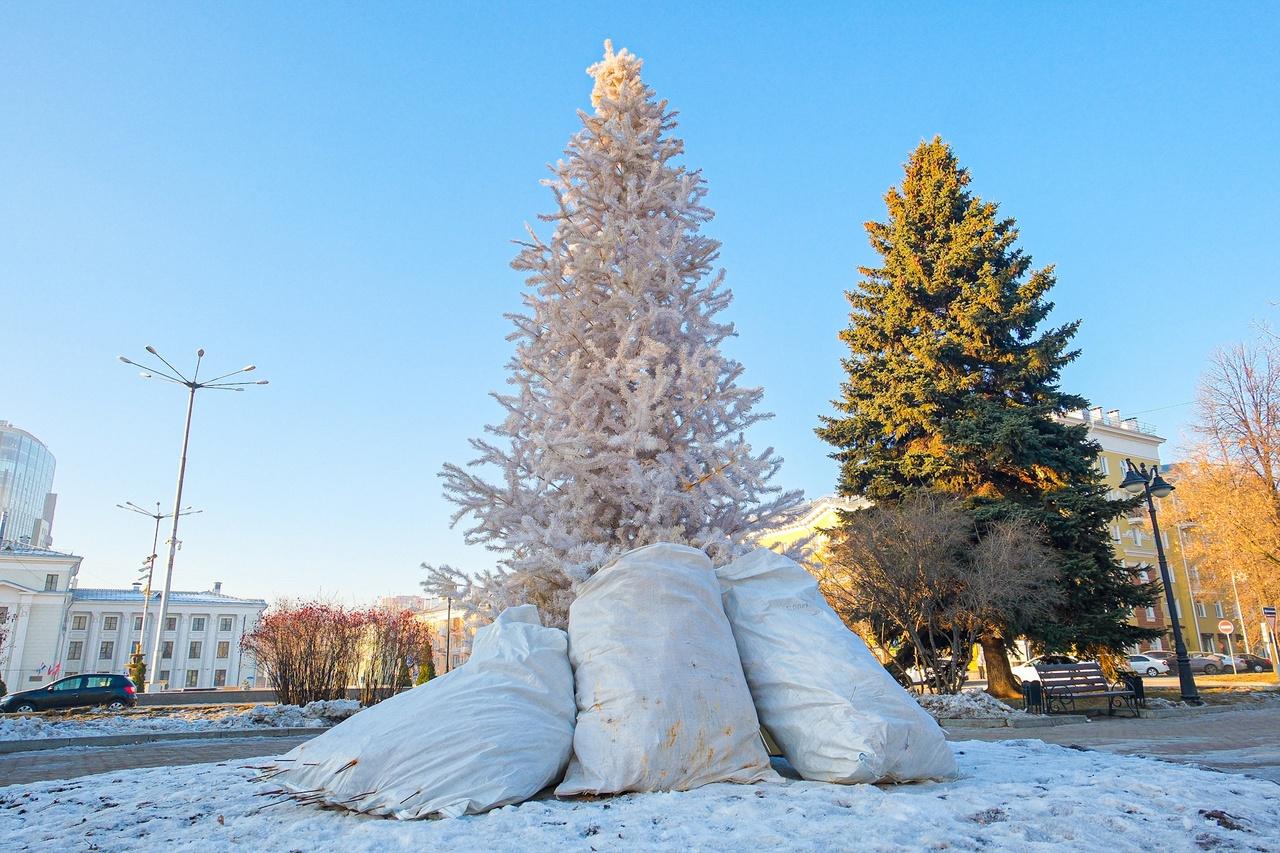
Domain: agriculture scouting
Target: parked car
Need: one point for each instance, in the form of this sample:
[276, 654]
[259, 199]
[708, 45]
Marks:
[1209, 663]
[1027, 671]
[115, 692]
[1253, 663]
[1147, 665]
[1169, 658]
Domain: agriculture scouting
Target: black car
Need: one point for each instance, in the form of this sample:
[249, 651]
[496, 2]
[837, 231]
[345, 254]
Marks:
[1253, 663]
[114, 691]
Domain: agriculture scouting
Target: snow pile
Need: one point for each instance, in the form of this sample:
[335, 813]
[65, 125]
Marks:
[966, 705]
[311, 715]
[1156, 703]
[175, 719]
[1010, 795]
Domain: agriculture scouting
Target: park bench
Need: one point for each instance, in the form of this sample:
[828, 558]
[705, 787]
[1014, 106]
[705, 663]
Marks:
[1062, 684]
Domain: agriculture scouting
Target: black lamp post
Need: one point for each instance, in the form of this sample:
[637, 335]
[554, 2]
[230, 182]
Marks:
[1139, 480]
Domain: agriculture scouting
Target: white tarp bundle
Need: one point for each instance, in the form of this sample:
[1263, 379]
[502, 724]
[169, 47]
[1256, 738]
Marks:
[496, 730]
[662, 702]
[835, 711]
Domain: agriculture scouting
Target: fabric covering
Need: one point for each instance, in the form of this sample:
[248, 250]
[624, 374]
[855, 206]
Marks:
[835, 711]
[662, 701]
[497, 730]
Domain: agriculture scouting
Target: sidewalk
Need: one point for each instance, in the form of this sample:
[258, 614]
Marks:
[39, 766]
[1243, 741]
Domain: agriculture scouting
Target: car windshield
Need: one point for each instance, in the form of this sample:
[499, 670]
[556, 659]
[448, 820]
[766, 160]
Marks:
[68, 684]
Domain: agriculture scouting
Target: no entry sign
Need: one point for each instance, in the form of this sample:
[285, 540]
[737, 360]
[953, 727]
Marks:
[1226, 626]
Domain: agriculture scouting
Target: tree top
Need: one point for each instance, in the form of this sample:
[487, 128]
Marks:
[612, 73]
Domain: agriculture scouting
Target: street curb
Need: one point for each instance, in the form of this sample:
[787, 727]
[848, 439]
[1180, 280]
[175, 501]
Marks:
[1027, 722]
[11, 746]
[1158, 713]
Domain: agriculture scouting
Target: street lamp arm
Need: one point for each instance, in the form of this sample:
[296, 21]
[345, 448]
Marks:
[183, 379]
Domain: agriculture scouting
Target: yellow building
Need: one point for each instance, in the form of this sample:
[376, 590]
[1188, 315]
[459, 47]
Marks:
[1131, 535]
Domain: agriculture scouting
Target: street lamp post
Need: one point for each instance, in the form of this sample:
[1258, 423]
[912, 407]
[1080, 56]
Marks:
[192, 385]
[151, 565]
[1149, 484]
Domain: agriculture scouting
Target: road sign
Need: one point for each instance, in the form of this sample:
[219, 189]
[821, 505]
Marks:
[1226, 626]
[1269, 613]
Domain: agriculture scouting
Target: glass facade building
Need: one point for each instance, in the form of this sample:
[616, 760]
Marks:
[26, 488]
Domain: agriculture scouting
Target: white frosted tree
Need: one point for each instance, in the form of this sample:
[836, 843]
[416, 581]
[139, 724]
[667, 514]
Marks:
[625, 425]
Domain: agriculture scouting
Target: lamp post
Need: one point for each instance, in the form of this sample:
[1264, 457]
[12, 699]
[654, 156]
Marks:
[192, 385]
[151, 565]
[1149, 484]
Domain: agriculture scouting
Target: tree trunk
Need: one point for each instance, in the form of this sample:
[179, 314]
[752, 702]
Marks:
[999, 673]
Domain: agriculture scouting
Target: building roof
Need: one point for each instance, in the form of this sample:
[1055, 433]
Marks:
[175, 597]
[16, 550]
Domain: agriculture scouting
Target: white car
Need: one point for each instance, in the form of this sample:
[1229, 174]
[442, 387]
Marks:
[1150, 667]
[1027, 671]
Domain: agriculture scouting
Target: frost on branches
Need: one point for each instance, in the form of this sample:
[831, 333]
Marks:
[624, 425]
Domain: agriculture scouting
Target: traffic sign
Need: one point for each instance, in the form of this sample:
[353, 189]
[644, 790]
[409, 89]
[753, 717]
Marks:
[1226, 626]
[1269, 613]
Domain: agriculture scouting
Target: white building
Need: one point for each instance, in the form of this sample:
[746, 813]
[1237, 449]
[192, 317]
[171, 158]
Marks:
[34, 596]
[200, 646]
[49, 628]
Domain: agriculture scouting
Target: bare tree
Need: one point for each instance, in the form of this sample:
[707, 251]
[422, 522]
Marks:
[393, 639]
[1229, 487]
[924, 568]
[310, 650]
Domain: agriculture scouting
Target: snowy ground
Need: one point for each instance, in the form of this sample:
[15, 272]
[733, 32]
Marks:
[1012, 795]
[968, 704]
[175, 719]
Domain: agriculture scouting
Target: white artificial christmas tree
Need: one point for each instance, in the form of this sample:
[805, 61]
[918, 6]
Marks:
[625, 425]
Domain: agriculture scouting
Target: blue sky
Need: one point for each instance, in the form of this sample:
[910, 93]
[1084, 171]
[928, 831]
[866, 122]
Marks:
[330, 191]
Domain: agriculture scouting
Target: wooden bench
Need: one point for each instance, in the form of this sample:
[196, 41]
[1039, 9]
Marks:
[1064, 683]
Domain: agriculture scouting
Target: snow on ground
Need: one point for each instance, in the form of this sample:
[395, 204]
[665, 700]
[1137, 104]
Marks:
[1012, 795]
[176, 719]
[969, 704]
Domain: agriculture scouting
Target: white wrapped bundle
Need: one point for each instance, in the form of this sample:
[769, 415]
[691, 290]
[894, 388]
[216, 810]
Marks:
[835, 711]
[497, 730]
[662, 702]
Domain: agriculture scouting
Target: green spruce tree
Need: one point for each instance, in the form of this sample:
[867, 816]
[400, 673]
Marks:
[952, 385]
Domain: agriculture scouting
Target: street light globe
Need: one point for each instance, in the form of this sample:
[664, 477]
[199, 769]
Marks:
[1133, 482]
[1160, 487]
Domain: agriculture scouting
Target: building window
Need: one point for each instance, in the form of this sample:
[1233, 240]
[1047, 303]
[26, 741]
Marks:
[219, 678]
[1137, 537]
[75, 649]
[1200, 610]
[171, 623]
[1151, 614]
[197, 624]
[224, 649]
[1217, 608]
[224, 623]
[79, 622]
[1143, 576]
[51, 583]
[166, 650]
[1115, 533]
[193, 651]
[137, 623]
[137, 647]
[193, 675]
[1157, 645]
[107, 650]
[164, 676]
[1102, 464]
[110, 623]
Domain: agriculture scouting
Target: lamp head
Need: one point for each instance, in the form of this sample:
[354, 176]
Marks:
[151, 349]
[1133, 482]
[200, 353]
[1160, 487]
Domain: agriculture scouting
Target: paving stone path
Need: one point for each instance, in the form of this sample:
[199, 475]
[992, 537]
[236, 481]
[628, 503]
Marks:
[42, 765]
[1246, 741]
